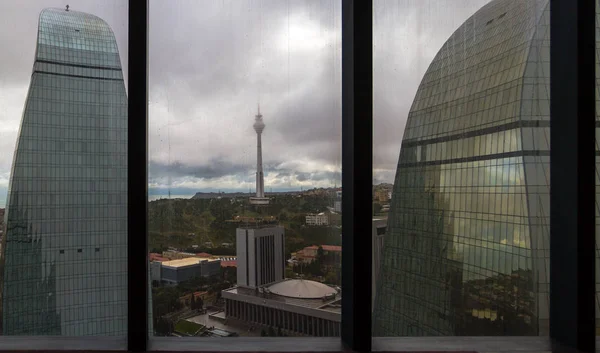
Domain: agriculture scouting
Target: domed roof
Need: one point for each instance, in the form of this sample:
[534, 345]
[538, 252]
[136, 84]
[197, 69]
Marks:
[300, 288]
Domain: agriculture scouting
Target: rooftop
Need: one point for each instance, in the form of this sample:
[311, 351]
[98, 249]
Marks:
[326, 247]
[327, 304]
[188, 261]
[203, 254]
[300, 288]
[232, 263]
[259, 225]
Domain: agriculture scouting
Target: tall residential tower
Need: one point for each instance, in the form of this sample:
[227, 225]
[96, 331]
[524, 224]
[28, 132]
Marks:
[64, 254]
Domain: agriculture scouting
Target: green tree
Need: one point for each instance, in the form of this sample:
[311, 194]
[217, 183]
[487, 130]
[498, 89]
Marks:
[331, 278]
[271, 331]
[263, 333]
[279, 333]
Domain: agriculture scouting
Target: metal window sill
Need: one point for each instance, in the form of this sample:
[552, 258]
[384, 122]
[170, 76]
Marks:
[247, 344]
[57, 343]
[280, 344]
[462, 344]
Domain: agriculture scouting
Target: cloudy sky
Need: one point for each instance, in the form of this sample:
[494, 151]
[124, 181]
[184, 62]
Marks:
[211, 62]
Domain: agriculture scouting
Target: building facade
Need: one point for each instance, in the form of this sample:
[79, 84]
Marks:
[260, 255]
[63, 265]
[176, 271]
[378, 230]
[467, 247]
[319, 219]
[298, 307]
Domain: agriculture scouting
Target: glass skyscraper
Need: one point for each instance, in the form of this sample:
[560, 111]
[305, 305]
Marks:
[64, 253]
[468, 241]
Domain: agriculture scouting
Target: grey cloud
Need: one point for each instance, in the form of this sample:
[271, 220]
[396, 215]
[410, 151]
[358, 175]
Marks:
[216, 168]
[302, 176]
[211, 61]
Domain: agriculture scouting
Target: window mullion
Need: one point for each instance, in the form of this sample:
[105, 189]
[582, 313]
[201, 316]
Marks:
[357, 172]
[137, 183]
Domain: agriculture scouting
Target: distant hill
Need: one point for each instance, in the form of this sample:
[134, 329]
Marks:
[231, 195]
[182, 223]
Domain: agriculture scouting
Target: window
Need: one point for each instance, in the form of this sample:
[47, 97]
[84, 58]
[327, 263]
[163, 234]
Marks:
[456, 219]
[49, 167]
[245, 168]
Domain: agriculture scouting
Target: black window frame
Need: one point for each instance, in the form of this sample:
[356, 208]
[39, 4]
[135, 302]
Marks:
[572, 271]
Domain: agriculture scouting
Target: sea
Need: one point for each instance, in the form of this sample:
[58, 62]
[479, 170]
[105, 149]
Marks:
[158, 197]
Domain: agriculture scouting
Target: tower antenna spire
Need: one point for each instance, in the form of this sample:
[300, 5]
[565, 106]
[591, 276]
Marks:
[260, 198]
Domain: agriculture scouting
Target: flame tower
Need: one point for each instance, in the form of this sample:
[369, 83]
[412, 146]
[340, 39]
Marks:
[260, 198]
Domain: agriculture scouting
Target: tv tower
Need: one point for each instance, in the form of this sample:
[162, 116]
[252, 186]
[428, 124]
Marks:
[260, 198]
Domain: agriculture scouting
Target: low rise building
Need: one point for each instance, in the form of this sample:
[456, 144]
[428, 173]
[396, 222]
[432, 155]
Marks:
[319, 219]
[295, 306]
[332, 254]
[175, 254]
[382, 195]
[176, 271]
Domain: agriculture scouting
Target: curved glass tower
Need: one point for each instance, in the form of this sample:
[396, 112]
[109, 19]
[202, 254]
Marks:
[467, 248]
[64, 253]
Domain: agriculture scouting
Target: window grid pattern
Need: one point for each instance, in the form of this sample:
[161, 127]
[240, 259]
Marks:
[467, 248]
[64, 256]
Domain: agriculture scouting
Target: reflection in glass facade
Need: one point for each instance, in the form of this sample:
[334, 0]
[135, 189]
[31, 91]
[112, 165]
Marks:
[64, 254]
[467, 249]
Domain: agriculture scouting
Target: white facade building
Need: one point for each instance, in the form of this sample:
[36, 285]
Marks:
[320, 219]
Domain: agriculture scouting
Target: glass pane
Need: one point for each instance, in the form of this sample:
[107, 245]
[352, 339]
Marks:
[63, 260]
[245, 168]
[461, 90]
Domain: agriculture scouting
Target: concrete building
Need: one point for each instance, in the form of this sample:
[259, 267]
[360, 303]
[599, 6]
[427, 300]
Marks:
[378, 236]
[263, 297]
[337, 202]
[382, 196]
[64, 254]
[155, 271]
[175, 254]
[176, 271]
[296, 306]
[332, 255]
[260, 255]
[319, 219]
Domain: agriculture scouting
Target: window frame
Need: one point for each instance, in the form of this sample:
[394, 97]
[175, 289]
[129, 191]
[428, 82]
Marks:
[572, 270]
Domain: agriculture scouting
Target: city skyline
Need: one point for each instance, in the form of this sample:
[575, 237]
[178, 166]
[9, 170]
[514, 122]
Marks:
[302, 100]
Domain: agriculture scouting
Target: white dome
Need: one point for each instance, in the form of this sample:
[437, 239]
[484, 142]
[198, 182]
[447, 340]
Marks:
[300, 288]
